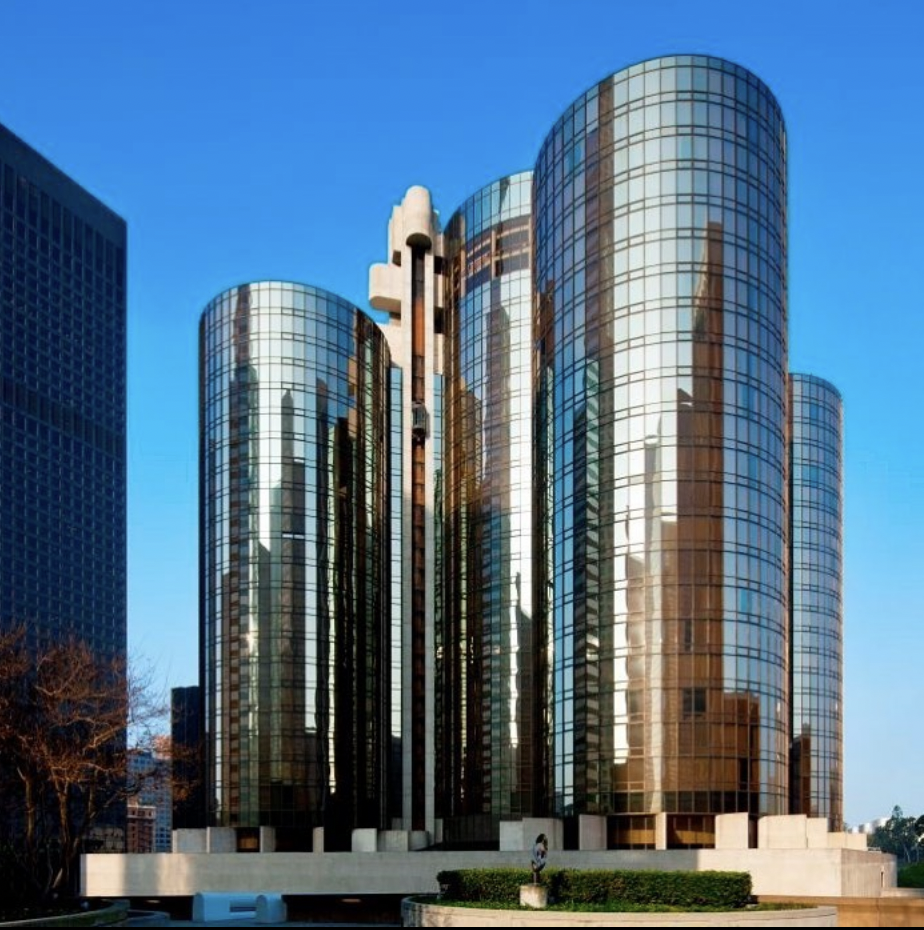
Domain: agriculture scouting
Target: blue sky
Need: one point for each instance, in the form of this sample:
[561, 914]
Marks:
[244, 141]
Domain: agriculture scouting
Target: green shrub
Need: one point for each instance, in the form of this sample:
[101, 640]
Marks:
[686, 890]
[483, 884]
[911, 876]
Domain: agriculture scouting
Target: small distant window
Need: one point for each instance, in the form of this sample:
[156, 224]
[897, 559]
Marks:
[694, 701]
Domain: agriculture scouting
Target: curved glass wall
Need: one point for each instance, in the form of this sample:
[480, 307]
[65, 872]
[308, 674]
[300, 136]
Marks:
[295, 556]
[660, 327]
[485, 759]
[816, 764]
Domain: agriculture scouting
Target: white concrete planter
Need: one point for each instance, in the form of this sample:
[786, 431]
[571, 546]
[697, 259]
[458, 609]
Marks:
[418, 914]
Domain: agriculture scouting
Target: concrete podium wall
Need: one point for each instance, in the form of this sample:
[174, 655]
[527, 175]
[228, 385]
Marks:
[814, 872]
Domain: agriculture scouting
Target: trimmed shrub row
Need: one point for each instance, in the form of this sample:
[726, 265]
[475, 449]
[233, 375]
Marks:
[718, 890]
[911, 876]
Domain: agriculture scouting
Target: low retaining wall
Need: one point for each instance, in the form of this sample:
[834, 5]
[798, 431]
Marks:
[113, 914]
[890, 910]
[798, 872]
[420, 914]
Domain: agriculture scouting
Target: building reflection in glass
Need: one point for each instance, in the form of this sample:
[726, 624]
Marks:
[295, 557]
[816, 764]
[485, 759]
[660, 275]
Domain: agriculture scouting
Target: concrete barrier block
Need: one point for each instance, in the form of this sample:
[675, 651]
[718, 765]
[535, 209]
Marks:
[394, 841]
[189, 841]
[816, 833]
[786, 831]
[511, 835]
[732, 831]
[365, 839]
[552, 827]
[591, 831]
[419, 839]
[221, 839]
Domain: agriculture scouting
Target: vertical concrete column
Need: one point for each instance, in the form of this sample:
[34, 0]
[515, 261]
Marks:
[365, 839]
[660, 831]
[591, 831]
[786, 831]
[732, 831]
[816, 832]
[317, 840]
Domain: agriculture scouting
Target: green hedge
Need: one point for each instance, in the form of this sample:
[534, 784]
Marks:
[715, 890]
[911, 876]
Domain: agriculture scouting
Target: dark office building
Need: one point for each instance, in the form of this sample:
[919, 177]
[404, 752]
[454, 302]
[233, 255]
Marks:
[62, 405]
[186, 757]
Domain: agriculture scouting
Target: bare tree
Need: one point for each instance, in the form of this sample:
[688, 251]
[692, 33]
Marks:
[66, 721]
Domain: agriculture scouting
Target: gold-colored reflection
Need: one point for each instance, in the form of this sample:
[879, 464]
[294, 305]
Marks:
[660, 333]
[485, 764]
[296, 559]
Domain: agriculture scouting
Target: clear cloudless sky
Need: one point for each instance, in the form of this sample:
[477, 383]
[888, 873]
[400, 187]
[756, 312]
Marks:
[251, 140]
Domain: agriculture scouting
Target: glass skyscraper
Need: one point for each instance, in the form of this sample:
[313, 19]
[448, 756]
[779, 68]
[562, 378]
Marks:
[295, 562]
[62, 406]
[486, 759]
[816, 502]
[660, 276]
[599, 565]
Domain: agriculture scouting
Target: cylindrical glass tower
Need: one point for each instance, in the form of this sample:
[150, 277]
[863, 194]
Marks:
[816, 762]
[660, 328]
[295, 562]
[485, 759]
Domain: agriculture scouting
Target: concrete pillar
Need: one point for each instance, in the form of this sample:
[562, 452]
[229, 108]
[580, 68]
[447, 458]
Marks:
[394, 841]
[365, 839]
[511, 835]
[552, 827]
[786, 831]
[591, 831]
[220, 840]
[317, 839]
[186, 840]
[267, 839]
[732, 831]
[816, 833]
[419, 839]
[660, 831]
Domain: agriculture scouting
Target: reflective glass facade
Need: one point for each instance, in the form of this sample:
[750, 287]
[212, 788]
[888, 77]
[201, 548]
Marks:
[295, 548]
[816, 773]
[485, 644]
[62, 405]
[660, 328]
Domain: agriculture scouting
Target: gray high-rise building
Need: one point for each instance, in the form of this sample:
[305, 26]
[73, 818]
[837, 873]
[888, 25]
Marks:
[62, 406]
